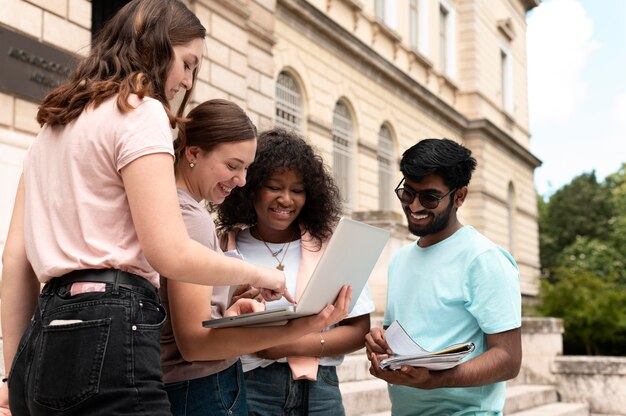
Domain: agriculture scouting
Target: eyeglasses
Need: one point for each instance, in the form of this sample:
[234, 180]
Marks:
[428, 201]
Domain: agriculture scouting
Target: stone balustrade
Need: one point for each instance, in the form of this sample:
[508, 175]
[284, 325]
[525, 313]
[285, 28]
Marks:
[599, 381]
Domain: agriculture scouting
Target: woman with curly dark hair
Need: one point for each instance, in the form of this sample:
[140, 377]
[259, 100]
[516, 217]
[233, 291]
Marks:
[288, 209]
[201, 369]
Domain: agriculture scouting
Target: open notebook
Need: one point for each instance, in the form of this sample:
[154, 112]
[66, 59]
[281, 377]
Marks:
[349, 258]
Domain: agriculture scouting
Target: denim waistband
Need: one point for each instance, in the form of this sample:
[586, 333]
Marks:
[112, 276]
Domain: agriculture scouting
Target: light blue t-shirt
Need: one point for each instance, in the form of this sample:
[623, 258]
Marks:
[454, 291]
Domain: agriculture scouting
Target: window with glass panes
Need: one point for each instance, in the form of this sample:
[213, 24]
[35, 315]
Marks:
[385, 168]
[413, 23]
[343, 151]
[443, 38]
[288, 102]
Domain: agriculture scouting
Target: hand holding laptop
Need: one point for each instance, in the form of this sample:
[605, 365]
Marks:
[328, 316]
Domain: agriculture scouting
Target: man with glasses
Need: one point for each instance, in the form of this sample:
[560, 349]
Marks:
[453, 285]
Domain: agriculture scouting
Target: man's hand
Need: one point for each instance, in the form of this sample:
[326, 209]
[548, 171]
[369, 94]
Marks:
[500, 362]
[417, 377]
[375, 342]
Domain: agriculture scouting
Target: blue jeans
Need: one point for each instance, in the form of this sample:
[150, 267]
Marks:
[106, 364]
[223, 393]
[271, 391]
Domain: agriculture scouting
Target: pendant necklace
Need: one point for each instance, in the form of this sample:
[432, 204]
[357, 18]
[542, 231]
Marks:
[275, 254]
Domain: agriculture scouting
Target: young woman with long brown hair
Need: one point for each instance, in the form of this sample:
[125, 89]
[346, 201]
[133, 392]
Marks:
[96, 219]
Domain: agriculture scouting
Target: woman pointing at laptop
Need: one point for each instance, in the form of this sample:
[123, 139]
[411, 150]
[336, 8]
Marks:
[290, 205]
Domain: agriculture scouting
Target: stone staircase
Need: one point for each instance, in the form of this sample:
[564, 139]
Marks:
[364, 395]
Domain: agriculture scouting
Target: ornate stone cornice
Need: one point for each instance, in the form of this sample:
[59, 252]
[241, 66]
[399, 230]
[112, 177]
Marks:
[304, 16]
[487, 128]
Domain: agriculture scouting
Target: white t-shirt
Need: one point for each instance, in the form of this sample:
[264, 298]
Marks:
[255, 252]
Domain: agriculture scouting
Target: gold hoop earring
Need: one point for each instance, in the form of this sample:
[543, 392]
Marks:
[192, 164]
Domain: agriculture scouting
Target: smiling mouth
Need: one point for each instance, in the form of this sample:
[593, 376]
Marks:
[225, 189]
[281, 211]
[418, 217]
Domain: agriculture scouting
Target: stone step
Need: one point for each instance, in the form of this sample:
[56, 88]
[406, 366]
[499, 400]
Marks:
[522, 397]
[522, 378]
[354, 368]
[364, 397]
[555, 409]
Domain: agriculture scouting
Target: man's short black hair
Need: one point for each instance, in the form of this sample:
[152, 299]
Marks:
[444, 157]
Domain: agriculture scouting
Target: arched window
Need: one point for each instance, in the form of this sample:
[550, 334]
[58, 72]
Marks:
[511, 205]
[288, 103]
[343, 152]
[386, 167]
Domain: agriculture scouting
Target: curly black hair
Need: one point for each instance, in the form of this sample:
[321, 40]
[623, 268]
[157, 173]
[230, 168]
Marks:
[281, 150]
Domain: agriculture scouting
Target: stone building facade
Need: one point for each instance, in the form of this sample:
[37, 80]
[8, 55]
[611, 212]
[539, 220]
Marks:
[363, 80]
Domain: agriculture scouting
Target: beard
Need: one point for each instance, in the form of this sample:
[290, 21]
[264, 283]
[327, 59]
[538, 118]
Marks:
[438, 223]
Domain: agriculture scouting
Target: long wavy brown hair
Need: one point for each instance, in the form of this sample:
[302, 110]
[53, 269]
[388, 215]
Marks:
[131, 55]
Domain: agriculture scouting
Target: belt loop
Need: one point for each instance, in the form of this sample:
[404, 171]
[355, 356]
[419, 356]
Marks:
[116, 290]
[51, 287]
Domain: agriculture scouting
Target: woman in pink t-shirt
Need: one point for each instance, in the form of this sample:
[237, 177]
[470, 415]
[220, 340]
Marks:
[96, 219]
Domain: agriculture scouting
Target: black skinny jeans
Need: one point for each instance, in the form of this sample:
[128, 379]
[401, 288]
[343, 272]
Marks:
[106, 364]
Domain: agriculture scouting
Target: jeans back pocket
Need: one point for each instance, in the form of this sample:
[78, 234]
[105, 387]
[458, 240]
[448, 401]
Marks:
[73, 353]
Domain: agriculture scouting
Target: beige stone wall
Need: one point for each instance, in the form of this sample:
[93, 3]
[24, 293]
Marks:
[475, 89]
[329, 69]
[238, 63]
[64, 24]
[338, 49]
[479, 61]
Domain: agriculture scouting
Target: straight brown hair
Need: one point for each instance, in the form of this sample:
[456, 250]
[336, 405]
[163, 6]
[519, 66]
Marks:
[212, 123]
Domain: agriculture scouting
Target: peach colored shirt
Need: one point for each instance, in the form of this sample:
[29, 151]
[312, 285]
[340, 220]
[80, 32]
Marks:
[76, 213]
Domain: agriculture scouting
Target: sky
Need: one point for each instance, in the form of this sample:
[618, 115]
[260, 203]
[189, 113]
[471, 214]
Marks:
[577, 89]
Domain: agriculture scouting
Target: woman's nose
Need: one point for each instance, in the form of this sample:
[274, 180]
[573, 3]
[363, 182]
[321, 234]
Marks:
[187, 82]
[240, 179]
[284, 197]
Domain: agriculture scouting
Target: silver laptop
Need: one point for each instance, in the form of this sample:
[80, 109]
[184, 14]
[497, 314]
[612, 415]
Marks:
[349, 259]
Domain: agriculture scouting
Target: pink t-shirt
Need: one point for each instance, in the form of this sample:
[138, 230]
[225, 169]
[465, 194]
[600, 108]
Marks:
[76, 212]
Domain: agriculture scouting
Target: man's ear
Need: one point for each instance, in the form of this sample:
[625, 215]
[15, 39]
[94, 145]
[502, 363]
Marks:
[459, 196]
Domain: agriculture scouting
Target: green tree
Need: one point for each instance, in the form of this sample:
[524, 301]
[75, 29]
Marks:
[582, 208]
[592, 308]
[594, 256]
[583, 250]
[616, 182]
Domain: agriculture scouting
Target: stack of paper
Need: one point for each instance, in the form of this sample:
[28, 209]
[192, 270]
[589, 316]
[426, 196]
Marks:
[408, 352]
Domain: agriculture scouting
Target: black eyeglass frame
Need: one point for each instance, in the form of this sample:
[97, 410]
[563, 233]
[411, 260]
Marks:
[428, 204]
